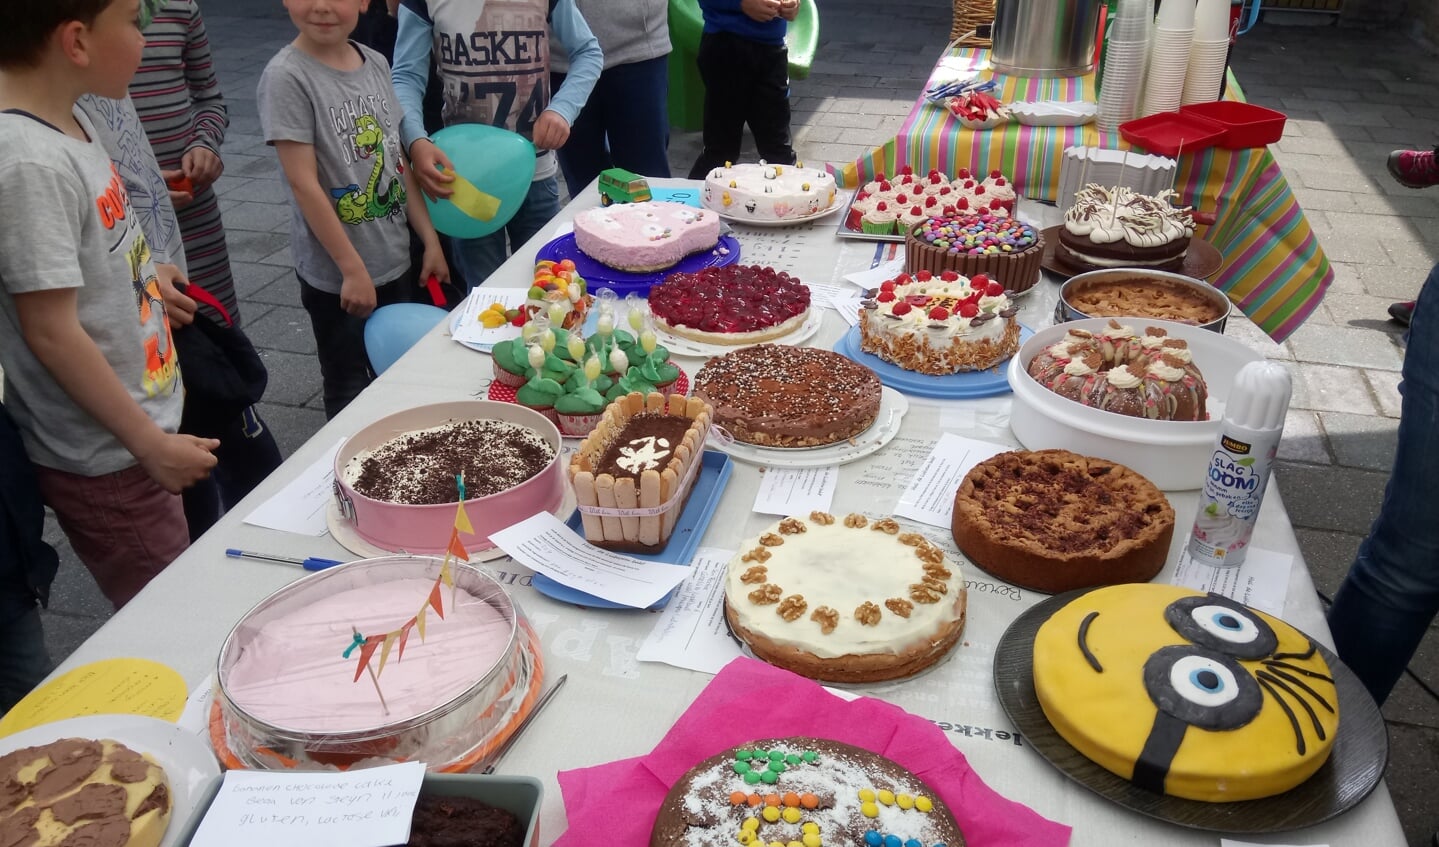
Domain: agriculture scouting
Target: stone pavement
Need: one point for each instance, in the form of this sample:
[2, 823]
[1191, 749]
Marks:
[1351, 96]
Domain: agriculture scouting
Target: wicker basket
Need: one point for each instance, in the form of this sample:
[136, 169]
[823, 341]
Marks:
[969, 15]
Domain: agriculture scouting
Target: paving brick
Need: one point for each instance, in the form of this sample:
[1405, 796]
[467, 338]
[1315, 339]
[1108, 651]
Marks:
[294, 377]
[1330, 388]
[1410, 253]
[1334, 498]
[1344, 346]
[284, 328]
[1253, 337]
[259, 190]
[280, 257]
[250, 278]
[1346, 280]
[1391, 282]
[1361, 441]
[1328, 555]
[1303, 439]
[254, 246]
[255, 217]
[1385, 386]
[1356, 310]
[284, 291]
[291, 425]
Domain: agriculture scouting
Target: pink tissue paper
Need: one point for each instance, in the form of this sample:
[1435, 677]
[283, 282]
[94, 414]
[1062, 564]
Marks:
[616, 803]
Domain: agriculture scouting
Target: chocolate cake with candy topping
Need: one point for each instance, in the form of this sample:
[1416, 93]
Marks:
[808, 791]
[780, 396]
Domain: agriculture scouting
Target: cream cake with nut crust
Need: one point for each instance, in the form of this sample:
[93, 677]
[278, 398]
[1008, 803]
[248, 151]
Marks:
[845, 598]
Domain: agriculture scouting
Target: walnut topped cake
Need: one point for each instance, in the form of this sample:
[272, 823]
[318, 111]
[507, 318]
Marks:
[845, 598]
[419, 468]
[1054, 521]
[780, 396]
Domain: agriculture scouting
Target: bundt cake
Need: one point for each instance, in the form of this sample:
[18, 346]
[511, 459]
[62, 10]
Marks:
[1117, 370]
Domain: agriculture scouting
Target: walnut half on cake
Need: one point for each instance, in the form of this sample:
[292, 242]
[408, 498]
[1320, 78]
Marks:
[644, 454]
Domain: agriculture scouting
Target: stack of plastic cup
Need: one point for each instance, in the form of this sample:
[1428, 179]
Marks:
[1125, 57]
[1168, 56]
[1207, 53]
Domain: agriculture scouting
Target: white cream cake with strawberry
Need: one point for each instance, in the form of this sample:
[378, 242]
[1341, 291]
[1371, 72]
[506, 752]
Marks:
[939, 325]
[645, 237]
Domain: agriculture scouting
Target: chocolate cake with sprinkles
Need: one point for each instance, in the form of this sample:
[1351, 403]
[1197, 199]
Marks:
[808, 791]
[419, 468]
[780, 396]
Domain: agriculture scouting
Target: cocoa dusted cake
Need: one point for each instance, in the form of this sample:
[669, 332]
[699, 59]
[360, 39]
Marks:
[807, 791]
[845, 599]
[78, 791]
[731, 305]
[779, 396]
[463, 822]
[1055, 521]
[419, 467]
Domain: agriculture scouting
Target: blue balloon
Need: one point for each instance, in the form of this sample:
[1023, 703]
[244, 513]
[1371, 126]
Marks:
[394, 329]
[493, 169]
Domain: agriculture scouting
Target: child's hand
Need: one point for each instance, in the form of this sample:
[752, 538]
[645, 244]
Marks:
[178, 461]
[433, 265]
[178, 199]
[551, 131]
[789, 9]
[357, 294]
[763, 11]
[202, 166]
[178, 307]
[424, 156]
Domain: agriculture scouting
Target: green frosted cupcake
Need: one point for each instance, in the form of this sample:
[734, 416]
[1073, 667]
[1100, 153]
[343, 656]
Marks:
[541, 394]
[632, 381]
[511, 362]
[580, 411]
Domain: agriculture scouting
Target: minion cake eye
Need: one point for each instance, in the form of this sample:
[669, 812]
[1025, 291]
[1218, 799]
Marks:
[1221, 624]
[1202, 688]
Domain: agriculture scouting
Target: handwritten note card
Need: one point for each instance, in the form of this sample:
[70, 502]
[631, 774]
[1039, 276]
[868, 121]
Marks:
[469, 330]
[929, 498]
[362, 808]
[796, 492]
[300, 506]
[691, 632]
[543, 544]
[1262, 581]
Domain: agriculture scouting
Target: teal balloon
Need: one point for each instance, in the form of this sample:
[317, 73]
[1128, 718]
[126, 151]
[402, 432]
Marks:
[498, 163]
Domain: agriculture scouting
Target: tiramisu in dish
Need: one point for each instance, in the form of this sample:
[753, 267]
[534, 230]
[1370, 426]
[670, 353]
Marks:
[419, 468]
[732, 305]
[779, 396]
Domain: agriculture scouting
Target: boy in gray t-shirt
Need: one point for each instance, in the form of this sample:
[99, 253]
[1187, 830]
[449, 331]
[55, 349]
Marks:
[327, 106]
[91, 375]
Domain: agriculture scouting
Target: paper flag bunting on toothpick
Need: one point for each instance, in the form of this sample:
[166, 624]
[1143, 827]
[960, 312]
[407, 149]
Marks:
[366, 652]
[462, 520]
[456, 549]
[405, 636]
[390, 639]
[420, 620]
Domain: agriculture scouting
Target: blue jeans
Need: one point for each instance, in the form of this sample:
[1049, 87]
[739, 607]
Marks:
[23, 661]
[477, 258]
[625, 124]
[1391, 594]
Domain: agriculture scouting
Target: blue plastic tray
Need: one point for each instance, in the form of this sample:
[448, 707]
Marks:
[966, 385]
[684, 541]
[623, 282]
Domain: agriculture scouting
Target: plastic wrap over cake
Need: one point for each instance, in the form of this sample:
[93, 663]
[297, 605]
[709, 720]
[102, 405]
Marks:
[300, 687]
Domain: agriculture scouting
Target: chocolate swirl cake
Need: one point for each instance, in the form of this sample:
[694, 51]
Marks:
[76, 791]
[779, 396]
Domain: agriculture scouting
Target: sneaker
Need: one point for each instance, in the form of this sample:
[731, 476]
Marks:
[1401, 312]
[1414, 168]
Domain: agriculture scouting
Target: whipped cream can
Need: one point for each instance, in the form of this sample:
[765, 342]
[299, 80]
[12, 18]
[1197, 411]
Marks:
[1239, 467]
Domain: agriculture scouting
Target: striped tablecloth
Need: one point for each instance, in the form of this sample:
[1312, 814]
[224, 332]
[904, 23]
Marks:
[1274, 269]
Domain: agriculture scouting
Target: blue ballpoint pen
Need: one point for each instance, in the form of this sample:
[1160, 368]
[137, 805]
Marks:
[311, 563]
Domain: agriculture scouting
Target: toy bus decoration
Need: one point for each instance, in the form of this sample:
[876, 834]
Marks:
[618, 185]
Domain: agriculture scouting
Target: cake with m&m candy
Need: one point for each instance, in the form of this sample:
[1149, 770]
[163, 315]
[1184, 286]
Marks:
[1004, 249]
[939, 324]
[808, 791]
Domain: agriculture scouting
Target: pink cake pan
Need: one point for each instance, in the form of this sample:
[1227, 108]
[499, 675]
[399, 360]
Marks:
[418, 530]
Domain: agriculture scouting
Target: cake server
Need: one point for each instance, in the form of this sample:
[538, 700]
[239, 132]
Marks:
[524, 724]
[310, 563]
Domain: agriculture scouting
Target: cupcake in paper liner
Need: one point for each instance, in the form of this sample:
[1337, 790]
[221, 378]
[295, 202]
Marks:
[511, 362]
[879, 221]
[579, 410]
[540, 392]
[652, 360]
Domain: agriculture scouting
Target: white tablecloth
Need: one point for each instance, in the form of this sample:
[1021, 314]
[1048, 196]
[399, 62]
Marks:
[616, 707]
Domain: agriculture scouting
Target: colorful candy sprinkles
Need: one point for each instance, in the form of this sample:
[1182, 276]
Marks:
[978, 234]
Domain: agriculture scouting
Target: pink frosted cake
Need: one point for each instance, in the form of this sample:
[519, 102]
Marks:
[290, 673]
[644, 237]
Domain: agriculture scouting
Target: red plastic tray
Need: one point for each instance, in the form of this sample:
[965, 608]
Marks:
[1246, 125]
[1166, 133]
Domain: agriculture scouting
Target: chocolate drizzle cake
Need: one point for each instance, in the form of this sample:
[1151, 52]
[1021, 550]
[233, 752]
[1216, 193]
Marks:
[780, 396]
[808, 791]
[463, 822]
[1055, 521]
[419, 468]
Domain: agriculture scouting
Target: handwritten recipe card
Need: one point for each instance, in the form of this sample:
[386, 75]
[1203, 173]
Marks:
[363, 808]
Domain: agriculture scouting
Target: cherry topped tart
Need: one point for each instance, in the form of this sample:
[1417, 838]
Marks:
[731, 305]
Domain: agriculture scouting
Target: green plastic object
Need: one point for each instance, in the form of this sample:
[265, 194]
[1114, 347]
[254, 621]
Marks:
[687, 90]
